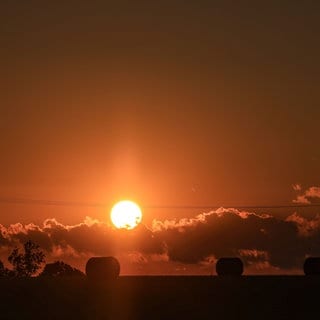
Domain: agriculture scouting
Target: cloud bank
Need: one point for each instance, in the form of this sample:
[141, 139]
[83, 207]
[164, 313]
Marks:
[192, 245]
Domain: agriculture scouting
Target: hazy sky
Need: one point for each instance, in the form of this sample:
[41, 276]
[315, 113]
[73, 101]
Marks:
[164, 102]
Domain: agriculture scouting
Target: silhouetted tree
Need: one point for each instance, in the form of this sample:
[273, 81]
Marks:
[60, 269]
[3, 270]
[28, 263]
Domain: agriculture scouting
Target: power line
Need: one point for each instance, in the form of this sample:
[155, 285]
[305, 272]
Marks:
[50, 202]
[25, 201]
[236, 207]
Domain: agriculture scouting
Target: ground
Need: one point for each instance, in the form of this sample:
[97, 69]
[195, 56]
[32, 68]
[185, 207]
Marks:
[269, 297]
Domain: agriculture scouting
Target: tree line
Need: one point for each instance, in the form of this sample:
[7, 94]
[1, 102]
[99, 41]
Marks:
[28, 263]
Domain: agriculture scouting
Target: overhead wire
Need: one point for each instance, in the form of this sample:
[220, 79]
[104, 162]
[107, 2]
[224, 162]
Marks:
[28, 201]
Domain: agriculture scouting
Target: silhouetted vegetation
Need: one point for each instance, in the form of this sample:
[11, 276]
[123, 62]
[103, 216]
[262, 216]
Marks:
[60, 269]
[2, 269]
[4, 272]
[28, 263]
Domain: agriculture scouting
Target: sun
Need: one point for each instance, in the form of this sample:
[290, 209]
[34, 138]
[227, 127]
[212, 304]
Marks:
[126, 214]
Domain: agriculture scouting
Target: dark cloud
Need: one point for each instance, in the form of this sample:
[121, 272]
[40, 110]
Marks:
[262, 241]
[90, 236]
[228, 232]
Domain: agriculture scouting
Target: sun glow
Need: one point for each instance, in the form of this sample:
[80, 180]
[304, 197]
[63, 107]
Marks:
[126, 214]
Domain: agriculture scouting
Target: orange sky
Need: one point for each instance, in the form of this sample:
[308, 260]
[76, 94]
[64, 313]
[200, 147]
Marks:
[162, 103]
[167, 104]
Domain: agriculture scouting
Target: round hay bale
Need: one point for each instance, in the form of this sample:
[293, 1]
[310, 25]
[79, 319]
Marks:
[101, 269]
[229, 267]
[311, 266]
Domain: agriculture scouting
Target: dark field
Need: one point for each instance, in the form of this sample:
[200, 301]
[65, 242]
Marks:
[245, 297]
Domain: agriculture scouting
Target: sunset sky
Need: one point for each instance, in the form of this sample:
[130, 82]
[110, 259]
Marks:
[167, 103]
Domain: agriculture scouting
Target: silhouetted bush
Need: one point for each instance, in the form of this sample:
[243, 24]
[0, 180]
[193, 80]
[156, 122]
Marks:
[60, 269]
[3, 270]
[229, 267]
[28, 263]
[102, 269]
[312, 266]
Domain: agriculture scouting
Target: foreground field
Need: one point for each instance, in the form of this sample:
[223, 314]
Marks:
[162, 298]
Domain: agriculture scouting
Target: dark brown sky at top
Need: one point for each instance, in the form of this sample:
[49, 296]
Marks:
[163, 102]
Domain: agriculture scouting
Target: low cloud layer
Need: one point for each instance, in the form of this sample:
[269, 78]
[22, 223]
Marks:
[308, 196]
[265, 243]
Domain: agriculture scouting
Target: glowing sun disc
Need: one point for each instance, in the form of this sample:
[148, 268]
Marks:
[126, 215]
